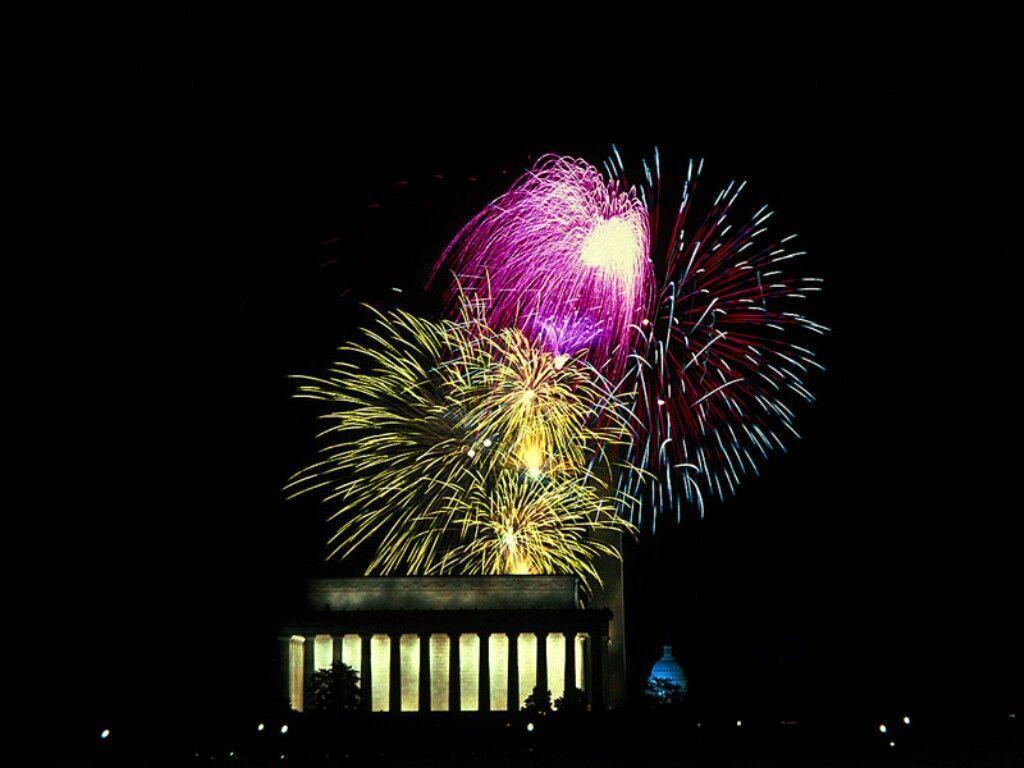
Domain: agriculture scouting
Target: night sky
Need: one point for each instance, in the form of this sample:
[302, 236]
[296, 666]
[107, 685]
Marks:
[281, 171]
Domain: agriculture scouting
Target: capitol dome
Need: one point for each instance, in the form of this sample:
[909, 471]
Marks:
[667, 668]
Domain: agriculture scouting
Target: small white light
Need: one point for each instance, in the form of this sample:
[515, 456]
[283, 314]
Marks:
[882, 728]
[487, 442]
[105, 733]
[260, 727]
[284, 728]
[471, 453]
[906, 719]
[660, 401]
[892, 743]
[646, 322]
[739, 723]
[529, 727]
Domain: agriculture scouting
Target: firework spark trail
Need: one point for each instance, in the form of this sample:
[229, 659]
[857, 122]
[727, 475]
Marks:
[431, 427]
[563, 256]
[717, 366]
[528, 527]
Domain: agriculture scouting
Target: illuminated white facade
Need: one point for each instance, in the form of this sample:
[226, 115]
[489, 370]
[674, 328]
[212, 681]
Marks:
[451, 644]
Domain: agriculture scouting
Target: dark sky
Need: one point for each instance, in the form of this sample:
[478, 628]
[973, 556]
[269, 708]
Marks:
[280, 171]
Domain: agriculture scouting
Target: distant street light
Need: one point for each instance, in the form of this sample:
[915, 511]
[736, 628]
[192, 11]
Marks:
[284, 728]
[105, 733]
[529, 727]
[906, 719]
[739, 723]
[882, 728]
[260, 727]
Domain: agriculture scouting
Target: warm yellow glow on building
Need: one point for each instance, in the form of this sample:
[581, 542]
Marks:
[352, 653]
[556, 665]
[380, 673]
[497, 659]
[439, 654]
[397, 634]
[469, 669]
[323, 652]
[409, 666]
[295, 671]
[527, 665]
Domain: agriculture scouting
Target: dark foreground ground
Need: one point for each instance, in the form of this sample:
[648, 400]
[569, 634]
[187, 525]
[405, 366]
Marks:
[651, 738]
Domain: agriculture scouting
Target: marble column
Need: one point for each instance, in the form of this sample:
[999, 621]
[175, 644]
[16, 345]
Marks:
[454, 675]
[570, 663]
[395, 674]
[588, 654]
[365, 673]
[424, 699]
[599, 672]
[542, 661]
[484, 673]
[513, 671]
[308, 646]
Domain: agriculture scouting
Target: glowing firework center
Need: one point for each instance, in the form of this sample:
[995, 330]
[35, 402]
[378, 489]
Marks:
[450, 644]
[614, 247]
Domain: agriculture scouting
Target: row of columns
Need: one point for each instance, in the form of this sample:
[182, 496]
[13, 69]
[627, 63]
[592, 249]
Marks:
[593, 673]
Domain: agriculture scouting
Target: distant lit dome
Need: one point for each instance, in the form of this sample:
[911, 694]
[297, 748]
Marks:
[667, 668]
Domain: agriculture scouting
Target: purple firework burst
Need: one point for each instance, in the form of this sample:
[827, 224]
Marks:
[562, 255]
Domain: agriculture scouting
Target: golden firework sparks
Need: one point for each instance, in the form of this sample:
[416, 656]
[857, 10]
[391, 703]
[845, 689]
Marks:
[443, 438]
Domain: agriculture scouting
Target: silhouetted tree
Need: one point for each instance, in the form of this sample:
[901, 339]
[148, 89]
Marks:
[335, 689]
[661, 691]
[573, 700]
[538, 703]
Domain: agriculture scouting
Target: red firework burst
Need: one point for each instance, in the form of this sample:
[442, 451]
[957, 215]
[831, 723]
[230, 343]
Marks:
[720, 365]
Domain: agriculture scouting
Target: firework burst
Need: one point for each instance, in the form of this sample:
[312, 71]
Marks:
[436, 430]
[535, 527]
[563, 256]
[719, 365]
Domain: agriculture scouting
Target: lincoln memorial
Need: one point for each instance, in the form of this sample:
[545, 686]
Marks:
[450, 643]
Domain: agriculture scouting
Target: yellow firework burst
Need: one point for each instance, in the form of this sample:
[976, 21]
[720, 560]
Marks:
[433, 428]
[549, 412]
[551, 525]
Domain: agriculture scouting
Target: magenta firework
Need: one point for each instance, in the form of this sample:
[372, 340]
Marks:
[562, 255]
[720, 366]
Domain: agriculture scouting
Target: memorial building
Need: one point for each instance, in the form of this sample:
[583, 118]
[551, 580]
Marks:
[452, 643]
